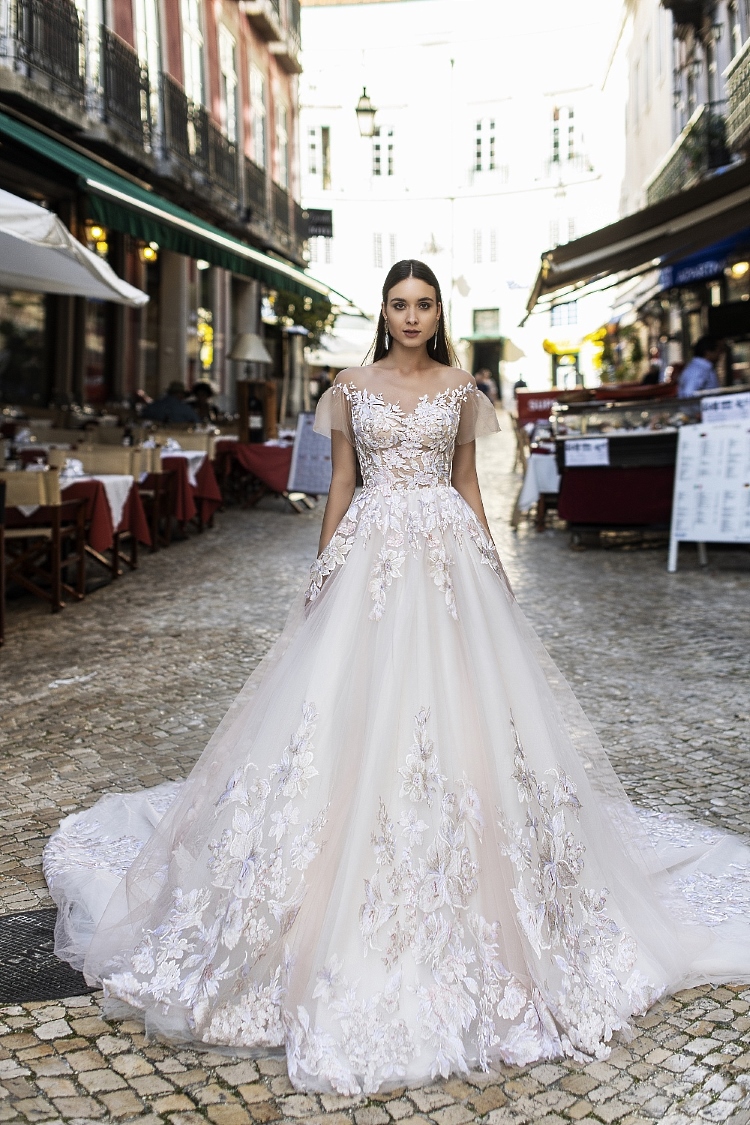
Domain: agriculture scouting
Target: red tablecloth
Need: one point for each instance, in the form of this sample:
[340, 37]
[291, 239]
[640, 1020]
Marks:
[101, 533]
[269, 463]
[206, 489]
[637, 497]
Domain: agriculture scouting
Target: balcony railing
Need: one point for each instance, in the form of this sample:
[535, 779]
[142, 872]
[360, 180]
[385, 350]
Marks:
[175, 109]
[126, 89]
[223, 160]
[293, 10]
[301, 223]
[256, 191]
[700, 147]
[738, 95]
[49, 39]
[280, 205]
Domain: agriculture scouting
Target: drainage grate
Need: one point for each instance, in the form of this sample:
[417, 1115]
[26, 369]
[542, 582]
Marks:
[29, 969]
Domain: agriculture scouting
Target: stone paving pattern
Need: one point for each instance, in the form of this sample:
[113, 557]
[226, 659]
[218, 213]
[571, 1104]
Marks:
[124, 690]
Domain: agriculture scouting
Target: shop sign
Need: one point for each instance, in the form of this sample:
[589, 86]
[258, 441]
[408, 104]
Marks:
[586, 451]
[726, 408]
[320, 223]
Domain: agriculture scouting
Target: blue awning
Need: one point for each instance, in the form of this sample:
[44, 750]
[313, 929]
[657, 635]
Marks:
[705, 265]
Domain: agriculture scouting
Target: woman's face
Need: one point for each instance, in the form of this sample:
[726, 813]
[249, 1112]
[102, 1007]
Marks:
[412, 312]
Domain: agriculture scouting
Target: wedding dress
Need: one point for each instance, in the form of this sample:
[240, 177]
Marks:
[403, 853]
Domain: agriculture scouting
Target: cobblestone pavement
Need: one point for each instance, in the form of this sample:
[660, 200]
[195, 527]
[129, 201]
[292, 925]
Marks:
[124, 690]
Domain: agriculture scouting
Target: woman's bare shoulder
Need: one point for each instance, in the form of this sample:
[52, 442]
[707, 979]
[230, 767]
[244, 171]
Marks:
[460, 378]
[352, 375]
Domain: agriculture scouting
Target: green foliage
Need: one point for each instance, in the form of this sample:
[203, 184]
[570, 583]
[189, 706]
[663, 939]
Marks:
[313, 313]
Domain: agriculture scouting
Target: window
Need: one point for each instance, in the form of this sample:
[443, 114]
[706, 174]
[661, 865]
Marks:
[382, 152]
[148, 38]
[228, 82]
[282, 145]
[477, 247]
[735, 24]
[554, 232]
[319, 154]
[571, 229]
[377, 251]
[486, 321]
[484, 145]
[192, 50]
[392, 248]
[320, 250]
[563, 134]
[258, 115]
[564, 314]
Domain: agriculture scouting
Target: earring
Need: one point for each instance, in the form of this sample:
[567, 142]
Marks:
[387, 338]
[435, 339]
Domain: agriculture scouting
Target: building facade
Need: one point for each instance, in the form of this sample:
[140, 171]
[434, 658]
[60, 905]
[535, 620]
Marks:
[688, 121]
[105, 106]
[492, 141]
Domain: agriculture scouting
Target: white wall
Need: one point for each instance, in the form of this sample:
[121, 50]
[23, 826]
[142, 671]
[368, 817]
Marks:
[433, 69]
[650, 119]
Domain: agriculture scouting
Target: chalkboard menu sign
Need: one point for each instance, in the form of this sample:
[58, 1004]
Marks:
[310, 471]
[711, 501]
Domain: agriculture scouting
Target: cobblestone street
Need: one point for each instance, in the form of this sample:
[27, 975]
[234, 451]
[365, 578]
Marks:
[124, 690]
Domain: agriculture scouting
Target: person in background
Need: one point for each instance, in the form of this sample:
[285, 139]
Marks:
[519, 385]
[653, 375]
[700, 373]
[171, 407]
[483, 381]
[200, 401]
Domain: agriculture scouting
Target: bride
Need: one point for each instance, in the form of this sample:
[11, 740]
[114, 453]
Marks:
[403, 853]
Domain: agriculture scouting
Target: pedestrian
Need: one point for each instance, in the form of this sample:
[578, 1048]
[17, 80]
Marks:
[519, 385]
[653, 375]
[403, 853]
[200, 401]
[700, 374]
[171, 408]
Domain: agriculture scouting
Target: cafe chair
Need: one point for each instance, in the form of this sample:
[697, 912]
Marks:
[40, 547]
[158, 496]
[203, 442]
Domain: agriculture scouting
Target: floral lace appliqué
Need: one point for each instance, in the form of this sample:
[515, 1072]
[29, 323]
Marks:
[600, 982]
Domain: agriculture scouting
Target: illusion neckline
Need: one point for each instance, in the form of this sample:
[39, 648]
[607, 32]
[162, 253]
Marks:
[423, 400]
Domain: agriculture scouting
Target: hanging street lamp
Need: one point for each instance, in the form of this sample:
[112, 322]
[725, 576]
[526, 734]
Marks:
[365, 115]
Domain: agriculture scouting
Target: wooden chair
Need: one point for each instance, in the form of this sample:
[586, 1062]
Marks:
[203, 442]
[49, 541]
[101, 460]
[157, 493]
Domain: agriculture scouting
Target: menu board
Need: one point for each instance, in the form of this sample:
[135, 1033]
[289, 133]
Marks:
[711, 501]
[310, 471]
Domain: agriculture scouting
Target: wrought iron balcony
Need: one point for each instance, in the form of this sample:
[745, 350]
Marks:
[280, 208]
[689, 12]
[48, 39]
[126, 89]
[700, 147]
[295, 20]
[223, 160]
[738, 95]
[185, 127]
[256, 191]
[301, 223]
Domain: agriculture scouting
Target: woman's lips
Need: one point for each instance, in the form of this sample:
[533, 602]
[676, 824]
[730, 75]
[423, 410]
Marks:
[411, 332]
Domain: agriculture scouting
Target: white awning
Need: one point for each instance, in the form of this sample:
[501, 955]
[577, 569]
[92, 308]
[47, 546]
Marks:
[38, 252]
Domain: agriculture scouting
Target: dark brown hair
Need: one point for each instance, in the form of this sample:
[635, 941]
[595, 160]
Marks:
[440, 350]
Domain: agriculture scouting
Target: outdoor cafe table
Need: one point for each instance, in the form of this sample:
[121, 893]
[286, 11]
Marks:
[270, 464]
[199, 499]
[100, 533]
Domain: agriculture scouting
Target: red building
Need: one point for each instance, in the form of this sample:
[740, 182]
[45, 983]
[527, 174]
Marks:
[167, 139]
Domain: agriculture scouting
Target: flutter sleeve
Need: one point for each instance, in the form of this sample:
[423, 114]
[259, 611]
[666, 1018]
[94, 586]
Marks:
[334, 413]
[478, 417]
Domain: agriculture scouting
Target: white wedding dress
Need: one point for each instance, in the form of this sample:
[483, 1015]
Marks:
[403, 853]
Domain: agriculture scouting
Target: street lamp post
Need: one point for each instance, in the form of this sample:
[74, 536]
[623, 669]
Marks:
[365, 112]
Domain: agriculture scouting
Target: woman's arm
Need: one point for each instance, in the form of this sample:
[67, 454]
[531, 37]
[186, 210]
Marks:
[343, 483]
[464, 480]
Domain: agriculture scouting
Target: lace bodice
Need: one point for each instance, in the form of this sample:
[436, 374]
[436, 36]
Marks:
[399, 449]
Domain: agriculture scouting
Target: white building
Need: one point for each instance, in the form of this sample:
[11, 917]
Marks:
[494, 142]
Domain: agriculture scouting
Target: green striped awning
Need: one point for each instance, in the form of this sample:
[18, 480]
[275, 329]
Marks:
[118, 203]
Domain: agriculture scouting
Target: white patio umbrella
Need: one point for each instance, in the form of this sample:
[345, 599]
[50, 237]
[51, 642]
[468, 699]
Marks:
[38, 252]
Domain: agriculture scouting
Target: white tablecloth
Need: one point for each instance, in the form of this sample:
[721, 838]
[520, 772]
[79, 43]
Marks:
[541, 476]
[194, 458]
[116, 487]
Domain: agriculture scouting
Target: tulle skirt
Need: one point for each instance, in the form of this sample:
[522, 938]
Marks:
[403, 853]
